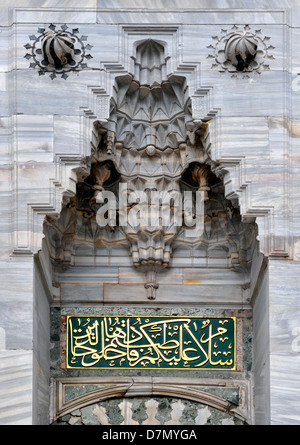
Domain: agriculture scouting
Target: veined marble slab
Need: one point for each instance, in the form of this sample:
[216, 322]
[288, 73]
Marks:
[81, 293]
[285, 391]
[174, 294]
[56, 15]
[192, 15]
[16, 387]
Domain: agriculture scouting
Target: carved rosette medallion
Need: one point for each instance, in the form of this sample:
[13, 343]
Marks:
[57, 52]
[240, 51]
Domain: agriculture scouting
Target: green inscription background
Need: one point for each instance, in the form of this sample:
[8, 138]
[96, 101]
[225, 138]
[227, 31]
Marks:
[147, 342]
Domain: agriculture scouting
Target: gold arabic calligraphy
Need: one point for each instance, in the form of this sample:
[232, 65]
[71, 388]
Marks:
[182, 342]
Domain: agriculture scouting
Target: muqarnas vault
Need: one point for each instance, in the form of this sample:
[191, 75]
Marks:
[151, 143]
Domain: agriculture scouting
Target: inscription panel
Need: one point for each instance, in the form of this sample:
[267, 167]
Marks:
[147, 342]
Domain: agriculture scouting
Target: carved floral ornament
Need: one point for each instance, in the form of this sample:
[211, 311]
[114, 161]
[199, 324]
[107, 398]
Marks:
[57, 51]
[240, 51]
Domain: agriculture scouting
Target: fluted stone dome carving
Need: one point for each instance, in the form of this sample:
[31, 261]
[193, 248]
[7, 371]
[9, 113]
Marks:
[240, 50]
[58, 49]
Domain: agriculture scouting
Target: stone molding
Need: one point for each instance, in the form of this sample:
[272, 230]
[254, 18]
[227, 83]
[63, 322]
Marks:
[126, 387]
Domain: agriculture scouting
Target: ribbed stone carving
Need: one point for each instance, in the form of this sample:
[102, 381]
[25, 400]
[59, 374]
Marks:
[240, 50]
[58, 49]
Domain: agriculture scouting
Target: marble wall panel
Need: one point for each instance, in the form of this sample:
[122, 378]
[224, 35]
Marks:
[5, 99]
[278, 139]
[285, 284]
[261, 350]
[6, 237]
[285, 320]
[16, 303]
[284, 389]
[5, 144]
[246, 134]
[264, 178]
[295, 73]
[16, 387]
[128, 275]
[5, 45]
[185, 260]
[105, 40]
[85, 293]
[16, 383]
[101, 260]
[34, 182]
[5, 187]
[53, 98]
[67, 134]
[293, 124]
[295, 219]
[34, 139]
[41, 346]
[287, 8]
[55, 15]
[84, 284]
[5, 53]
[212, 277]
[91, 273]
[192, 15]
[265, 95]
[174, 294]
[7, 7]
[284, 341]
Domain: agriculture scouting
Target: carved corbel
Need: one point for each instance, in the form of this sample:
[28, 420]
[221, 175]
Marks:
[201, 175]
[110, 140]
[106, 140]
[193, 130]
[100, 173]
[151, 284]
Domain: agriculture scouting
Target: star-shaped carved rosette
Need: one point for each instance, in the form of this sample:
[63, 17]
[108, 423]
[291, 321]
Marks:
[58, 51]
[240, 51]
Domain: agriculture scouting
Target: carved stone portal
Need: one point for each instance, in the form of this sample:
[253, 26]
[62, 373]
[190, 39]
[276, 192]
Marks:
[148, 159]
